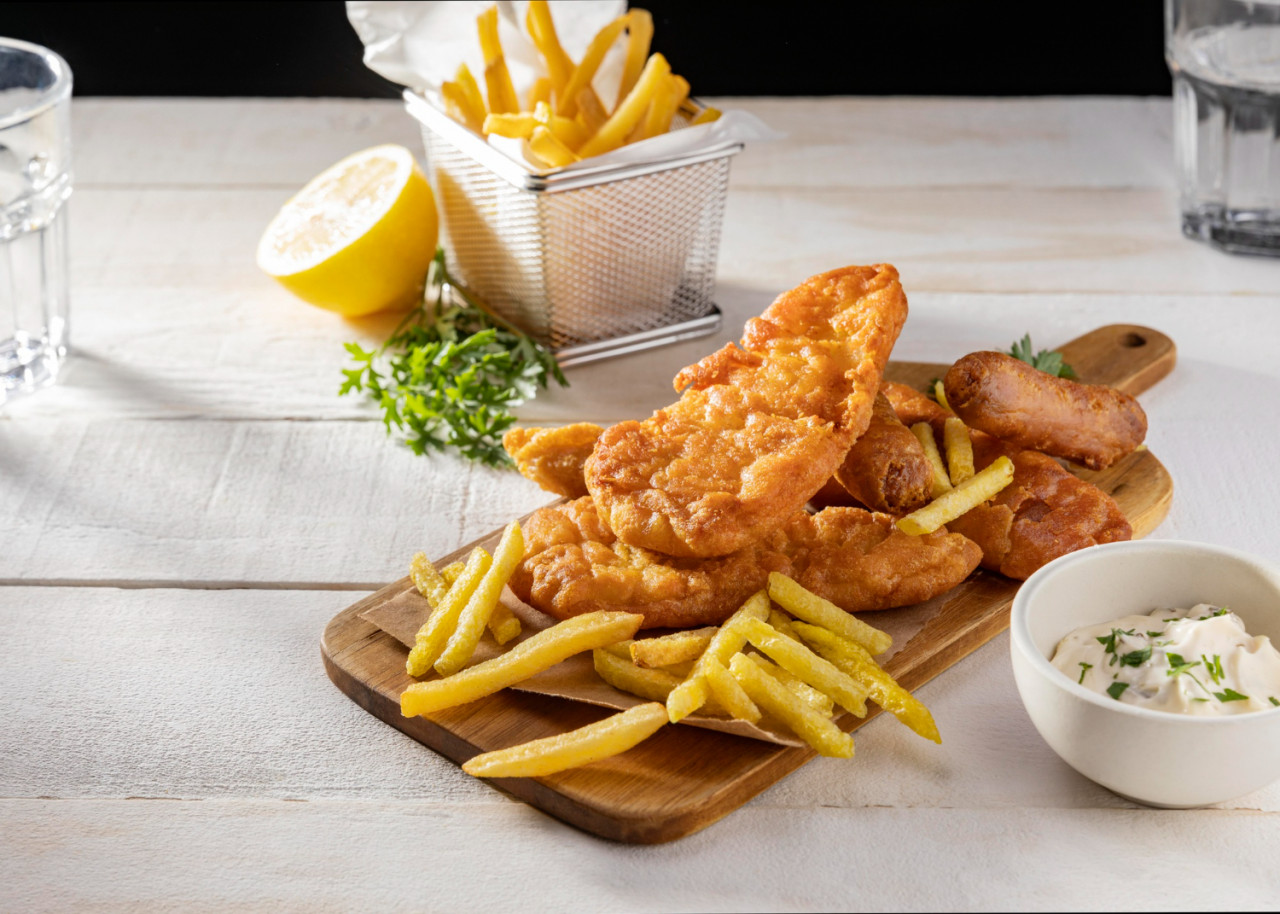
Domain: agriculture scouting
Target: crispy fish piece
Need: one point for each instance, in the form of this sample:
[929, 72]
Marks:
[1046, 512]
[886, 469]
[1089, 424]
[856, 559]
[553, 457]
[760, 427]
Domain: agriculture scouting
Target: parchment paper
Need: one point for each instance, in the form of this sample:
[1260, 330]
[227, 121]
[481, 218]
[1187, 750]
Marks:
[576, 680]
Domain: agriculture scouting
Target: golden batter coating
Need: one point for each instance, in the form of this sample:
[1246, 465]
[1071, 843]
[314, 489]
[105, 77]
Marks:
[553, 457]
[760, 427]
[1046, 512]
[858, 560]
[886, 469]
[1087, 424]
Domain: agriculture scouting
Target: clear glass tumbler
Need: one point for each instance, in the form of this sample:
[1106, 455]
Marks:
[35, 182]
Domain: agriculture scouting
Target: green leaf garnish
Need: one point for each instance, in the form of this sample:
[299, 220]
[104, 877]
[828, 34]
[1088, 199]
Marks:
[1116, 689]
[1045, 360]
[1086, 667]
[451, 372]
[1214, 668]
[1275, 701]
[1230, 695]
[1136, 658]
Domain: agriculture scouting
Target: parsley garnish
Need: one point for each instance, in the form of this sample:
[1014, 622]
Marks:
[1178, 666]
[1220, 611]
[1136, 658]
[1214, 668]
[1275, 701]
[1108, 643]
[1086, 667]
[1230, 695]
[1116, 689]
[451, 372]
[1045, 360]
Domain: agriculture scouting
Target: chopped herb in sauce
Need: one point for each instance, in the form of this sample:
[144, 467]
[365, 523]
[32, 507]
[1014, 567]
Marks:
[1086, 667]
[1116, 689]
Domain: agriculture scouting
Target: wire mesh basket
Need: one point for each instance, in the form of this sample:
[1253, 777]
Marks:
[594, 263]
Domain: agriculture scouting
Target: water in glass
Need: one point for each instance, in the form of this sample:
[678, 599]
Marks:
[1225, 61]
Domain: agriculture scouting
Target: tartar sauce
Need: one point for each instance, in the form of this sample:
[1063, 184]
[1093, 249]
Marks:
[1186, 661]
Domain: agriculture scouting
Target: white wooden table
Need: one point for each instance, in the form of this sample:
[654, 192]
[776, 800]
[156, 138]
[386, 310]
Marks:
[184, 513]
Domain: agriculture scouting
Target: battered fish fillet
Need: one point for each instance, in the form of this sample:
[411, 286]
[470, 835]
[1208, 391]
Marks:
[858, 560]
[1046, 512]
[553, 457]
[760, 426]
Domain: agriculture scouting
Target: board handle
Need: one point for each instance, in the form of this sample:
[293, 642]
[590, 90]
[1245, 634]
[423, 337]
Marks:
[1128, 357]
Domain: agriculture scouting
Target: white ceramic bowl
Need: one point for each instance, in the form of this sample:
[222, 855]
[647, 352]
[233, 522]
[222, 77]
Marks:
[1154, 757]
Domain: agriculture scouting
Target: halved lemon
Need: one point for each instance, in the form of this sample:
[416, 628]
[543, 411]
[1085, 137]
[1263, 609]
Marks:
[359, 237]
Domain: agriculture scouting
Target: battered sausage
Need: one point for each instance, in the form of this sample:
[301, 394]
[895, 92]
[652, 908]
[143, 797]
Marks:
[886, 469]
[1005, 397]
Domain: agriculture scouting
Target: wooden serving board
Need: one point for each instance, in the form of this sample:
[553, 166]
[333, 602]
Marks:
[683, 779]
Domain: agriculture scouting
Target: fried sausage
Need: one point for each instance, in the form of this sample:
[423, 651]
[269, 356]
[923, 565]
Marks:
[1005, 397]
[886, 469]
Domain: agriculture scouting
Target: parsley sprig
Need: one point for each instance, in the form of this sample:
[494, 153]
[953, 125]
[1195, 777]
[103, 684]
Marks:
[451, 372]
[1046, 360]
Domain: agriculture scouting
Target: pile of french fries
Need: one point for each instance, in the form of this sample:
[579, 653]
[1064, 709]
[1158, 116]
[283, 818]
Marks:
[786, 654]
[957, 489]
[564, 119]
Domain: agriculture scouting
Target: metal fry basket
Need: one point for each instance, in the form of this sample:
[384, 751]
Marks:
[594, 263]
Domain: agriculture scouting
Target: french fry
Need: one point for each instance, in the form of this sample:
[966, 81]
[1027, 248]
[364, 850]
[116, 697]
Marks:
[782, 622]
[940, 394]
[585, 71]
[458, 106]
[543, 32]
[516, 126]
[452, 572]
[819, 701]
[955, 438]
[566, 130]
[798, 660]
[705, 116]
[625, 117]
[692, 694]
[811, 608]
[728, 692]
[774, 698]
[497, 79]
[540, 92]
[963, 498]
[475, 615]
[853, 659]
[671, 649]
[601, 740]
[551, 151]
[639, 36]
[941, 479]
[657, 120]
[428, 581]
[503, 624]
[625, 676]
[620, 649]
[539, 652]
[591, 114]
[435, 632]
[471, 91]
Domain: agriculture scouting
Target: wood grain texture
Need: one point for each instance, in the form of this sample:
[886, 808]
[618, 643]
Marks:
[683, 779]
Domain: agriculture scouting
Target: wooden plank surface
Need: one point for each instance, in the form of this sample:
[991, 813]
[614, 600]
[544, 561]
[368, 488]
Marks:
[683, 779]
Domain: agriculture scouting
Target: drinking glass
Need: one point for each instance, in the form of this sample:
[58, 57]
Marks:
[35, 182]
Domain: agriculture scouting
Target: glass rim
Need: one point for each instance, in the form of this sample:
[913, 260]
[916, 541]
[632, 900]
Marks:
[48, 98]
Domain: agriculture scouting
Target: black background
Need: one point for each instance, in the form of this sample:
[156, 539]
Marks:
[889, 47]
